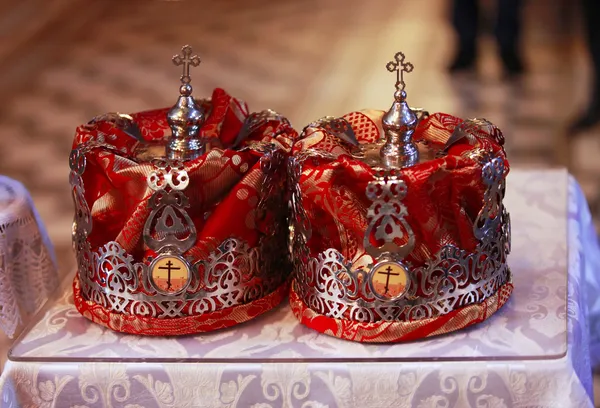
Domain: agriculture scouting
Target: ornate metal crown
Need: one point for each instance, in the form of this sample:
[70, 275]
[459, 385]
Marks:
[398, 226]
[180, 232]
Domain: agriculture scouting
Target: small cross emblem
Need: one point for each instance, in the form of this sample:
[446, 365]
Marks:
[388, 272]
[169, 274]
[169, 268]
[186, 59]
[400, 66]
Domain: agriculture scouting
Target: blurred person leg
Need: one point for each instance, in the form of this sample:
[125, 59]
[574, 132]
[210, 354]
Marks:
[591, 15]
[465, 19]
[508, 35]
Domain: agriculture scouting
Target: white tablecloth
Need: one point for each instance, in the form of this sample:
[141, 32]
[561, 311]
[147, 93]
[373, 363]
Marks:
[28, 272]
[532, 353]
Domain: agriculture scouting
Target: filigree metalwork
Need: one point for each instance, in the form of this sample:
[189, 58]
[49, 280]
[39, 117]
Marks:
[452, 279]
[298, 222]
[82, 222]
[168, 174]
[225, 273]
[338, 127]
[169, 227]
[115, 268]
[121, 121]
[469, 130]
[272, 164]
[488, 221]
[300, 229]
[231, 275]
[506, 231]
[386, 216]
[257, 119]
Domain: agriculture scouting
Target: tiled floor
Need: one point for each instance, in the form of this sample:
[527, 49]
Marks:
[305, 59]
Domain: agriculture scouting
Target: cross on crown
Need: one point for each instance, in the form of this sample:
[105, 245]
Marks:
[186, 59]
[400, 66]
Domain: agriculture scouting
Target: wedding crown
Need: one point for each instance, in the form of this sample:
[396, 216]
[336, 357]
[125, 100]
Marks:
[178, 223]
[398, 227]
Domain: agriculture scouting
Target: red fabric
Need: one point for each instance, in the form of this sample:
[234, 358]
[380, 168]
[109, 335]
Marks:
[224, 190]
[117, 192]
[395, 331]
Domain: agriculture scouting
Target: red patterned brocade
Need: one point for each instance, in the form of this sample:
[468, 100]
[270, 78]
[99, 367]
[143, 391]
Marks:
[224, 192]
[445, 196]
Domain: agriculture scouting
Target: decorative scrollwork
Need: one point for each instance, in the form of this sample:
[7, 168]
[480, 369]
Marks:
[470, 130]
[506, 230]
[115, 268]
[299, 225]
[231, 275]
[490, 216]
[121, 121]
[226, 275]
[87, 260]
[272, 162]
[339, 127]
[300, 229]
[82, 222]
[77, 161]
[387, 222]
[168, 174]
[257, 119]
[169, 227]
[331, 287]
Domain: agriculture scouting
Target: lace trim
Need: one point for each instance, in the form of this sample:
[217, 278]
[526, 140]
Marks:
[28, 272]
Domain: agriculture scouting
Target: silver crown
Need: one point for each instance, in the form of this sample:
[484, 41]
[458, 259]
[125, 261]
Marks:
[173, 284]
[391, 289]
[388, 287]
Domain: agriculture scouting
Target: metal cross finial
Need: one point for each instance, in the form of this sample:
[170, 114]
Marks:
[186, 117]
[186, 59]
[400, 66]
[399, 122]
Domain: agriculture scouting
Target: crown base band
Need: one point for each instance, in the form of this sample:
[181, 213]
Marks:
[178, 326]
[399, 331]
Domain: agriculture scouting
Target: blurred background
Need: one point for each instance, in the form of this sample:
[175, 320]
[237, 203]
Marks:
[64, 61]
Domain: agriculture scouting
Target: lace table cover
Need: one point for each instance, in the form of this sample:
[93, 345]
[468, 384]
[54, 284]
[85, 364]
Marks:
[532, 353]
[28, 272]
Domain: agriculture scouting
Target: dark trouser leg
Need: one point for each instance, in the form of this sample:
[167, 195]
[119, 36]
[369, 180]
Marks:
[465, 18]
[508, 34]
[591, 10]
[591, 16]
